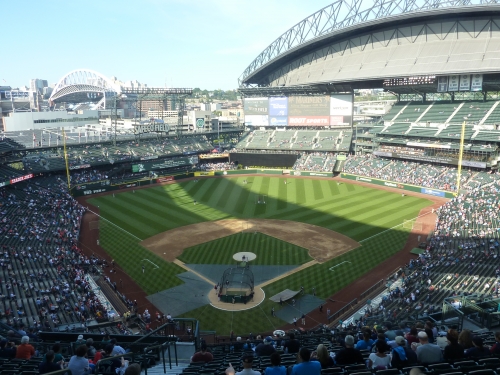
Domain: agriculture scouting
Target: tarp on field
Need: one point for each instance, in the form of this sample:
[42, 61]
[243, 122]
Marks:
[284, 295]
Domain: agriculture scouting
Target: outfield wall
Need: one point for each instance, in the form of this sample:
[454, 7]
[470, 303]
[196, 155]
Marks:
[398, 185]
[250, 159]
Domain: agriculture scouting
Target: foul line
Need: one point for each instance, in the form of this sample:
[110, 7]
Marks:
[147, 260]
[338, 265]
[387, 230]
[100, 217]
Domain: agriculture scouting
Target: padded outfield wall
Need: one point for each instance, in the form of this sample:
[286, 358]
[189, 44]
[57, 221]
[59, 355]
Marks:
[263, 160]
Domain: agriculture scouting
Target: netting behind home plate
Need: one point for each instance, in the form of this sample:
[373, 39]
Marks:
[237, 281]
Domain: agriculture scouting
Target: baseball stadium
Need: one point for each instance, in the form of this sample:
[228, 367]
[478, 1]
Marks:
[317, 218]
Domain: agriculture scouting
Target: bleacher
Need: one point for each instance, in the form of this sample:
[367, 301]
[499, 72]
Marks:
[345, 141]
[106, 153]
[487, 135]
[472, 112]
[420, 131]
[40, 285]
[304, 140]
[455, 132]
[327, 140]
[494, 117]
[396, 129]
[439, 112]
[412, 112]
[258, 139]
[281, 140]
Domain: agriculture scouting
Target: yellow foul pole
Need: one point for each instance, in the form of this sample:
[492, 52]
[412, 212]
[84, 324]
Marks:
[460, 155]
[66, 159]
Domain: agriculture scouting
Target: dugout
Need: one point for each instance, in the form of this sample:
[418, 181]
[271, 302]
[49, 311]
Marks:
[267, 159]
[238, 283]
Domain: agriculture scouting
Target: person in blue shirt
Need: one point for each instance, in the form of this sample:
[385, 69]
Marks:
[276, 368]
[306, 367]
[366, 343]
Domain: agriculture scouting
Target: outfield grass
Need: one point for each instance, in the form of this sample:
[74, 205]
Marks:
[353, 210]
[269, 251]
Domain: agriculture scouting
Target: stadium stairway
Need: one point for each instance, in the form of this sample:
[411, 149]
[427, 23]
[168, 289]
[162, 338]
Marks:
[111, 296]
[425, 111]
[185, 351]
[483, 120]
[400, 111]
[453, 114]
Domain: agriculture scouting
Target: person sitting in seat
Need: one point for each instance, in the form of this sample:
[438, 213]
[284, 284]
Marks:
[203, 355]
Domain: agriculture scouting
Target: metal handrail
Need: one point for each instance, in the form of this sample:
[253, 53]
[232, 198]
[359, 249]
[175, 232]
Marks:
[162, 346]
[196, 330]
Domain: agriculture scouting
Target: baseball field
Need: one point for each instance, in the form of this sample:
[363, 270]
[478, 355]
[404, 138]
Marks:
[323, 233]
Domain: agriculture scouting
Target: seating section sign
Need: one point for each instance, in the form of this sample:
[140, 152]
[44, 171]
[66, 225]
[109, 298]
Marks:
[334, 110]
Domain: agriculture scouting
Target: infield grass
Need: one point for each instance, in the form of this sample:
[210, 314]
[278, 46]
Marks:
[270, 251]
[353, 210]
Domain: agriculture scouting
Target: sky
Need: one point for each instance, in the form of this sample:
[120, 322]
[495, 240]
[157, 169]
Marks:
[173, 43]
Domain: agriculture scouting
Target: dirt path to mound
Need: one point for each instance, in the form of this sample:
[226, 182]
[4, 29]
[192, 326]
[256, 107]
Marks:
[323, 244]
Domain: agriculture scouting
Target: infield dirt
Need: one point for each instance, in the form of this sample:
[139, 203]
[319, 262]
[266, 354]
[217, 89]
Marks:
[323, 244]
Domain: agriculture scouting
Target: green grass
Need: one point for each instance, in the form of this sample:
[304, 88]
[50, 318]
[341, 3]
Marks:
[356, 211]
[326, 282]
[221, 251]
[353, 210]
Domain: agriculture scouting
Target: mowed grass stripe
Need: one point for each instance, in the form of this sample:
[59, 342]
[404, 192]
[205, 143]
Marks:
[212, 185]
[300, 193]
[331, 208]
[160, 212]
[122, 217]
[345, 200]
[317, 189]
[242, 201]
[225, 192]
[282, 201]
[334, 188]
[388, 220]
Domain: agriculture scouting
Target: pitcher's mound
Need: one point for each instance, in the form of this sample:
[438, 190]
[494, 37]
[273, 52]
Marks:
[244, 256]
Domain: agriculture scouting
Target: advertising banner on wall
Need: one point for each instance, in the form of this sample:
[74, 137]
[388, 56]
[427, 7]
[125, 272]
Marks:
[341, 110]
[256, 106]
[453, 83]
[442, 84]
[465, 82]
[278, 106]
[257, 120]
[309, 106]
[476, 82]
[308, 120]
[278, 120]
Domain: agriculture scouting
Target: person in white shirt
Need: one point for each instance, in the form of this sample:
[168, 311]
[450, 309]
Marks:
[379, 360]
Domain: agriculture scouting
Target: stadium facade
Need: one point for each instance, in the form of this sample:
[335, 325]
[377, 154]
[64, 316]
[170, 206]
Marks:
[440, 60]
